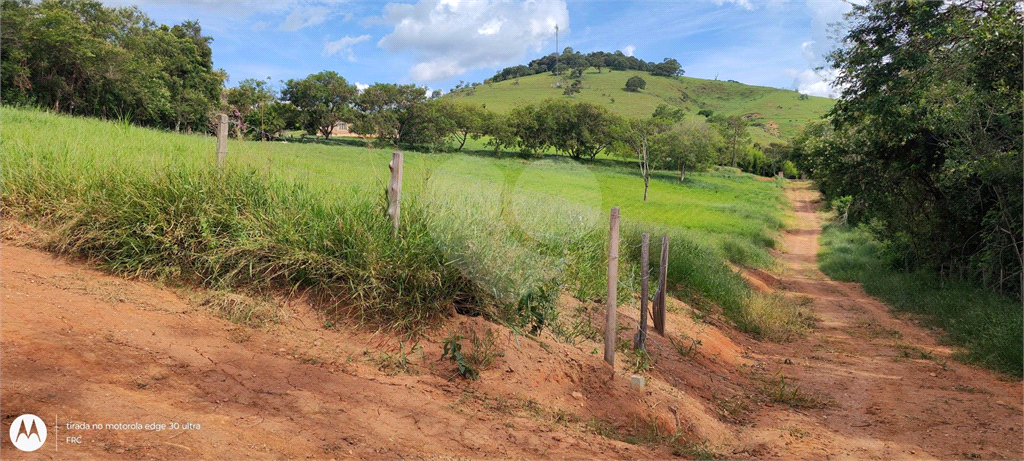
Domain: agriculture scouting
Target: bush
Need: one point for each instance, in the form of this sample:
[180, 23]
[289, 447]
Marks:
[635, 84]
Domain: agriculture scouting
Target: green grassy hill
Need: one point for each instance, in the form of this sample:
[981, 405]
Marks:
[776, 115]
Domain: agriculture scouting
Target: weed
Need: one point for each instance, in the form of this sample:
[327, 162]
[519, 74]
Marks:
[485, 350]
[639, 360]
[796, 432]
[779, 389]
[696, 450]
[775, 318]
[453, 349]
[576, 328]
[398, 362]
[732, 408]
[685, 345]
[240, 309]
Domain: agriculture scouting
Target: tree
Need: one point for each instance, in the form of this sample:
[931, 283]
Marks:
[580, 130]
[391, 112]
[635, 84]
[667, 68]
[636, 136]
[597, 60]
[322, 100]
[468, 120]
[85, 59]
[575, 88]
[734, 130]
[926, 137]
[672, 114]
[691, 144]
[251, 96]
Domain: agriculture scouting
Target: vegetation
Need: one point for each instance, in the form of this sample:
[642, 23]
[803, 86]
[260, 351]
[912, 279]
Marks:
[774, 115]
[569, 59]
[496, 237]
[635, 83]
[925, 146]
[988, 325]
[321, 101]
[81, 58]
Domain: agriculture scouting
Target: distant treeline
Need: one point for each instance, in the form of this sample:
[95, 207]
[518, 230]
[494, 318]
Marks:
[81, 58]
[573, 61]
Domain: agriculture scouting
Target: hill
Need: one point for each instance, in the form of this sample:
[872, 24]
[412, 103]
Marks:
[776, 115]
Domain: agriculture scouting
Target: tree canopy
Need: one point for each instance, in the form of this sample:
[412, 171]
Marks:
[82, 58]
[926, 139]
[322, 100]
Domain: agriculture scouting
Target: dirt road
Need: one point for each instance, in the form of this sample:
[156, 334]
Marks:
[891, 391]
[84, 350]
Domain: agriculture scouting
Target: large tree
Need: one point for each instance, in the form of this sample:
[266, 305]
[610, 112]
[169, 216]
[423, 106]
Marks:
[82, 58]
[322, 100]
[926, 136]
[391, 112]
[734, 130]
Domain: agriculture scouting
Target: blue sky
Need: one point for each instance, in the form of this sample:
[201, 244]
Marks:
[437, 44]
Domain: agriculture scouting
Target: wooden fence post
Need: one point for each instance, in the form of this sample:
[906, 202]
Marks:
[222, 139]
[640, 340]
[613, 288]
[395, 189]
[659, 297]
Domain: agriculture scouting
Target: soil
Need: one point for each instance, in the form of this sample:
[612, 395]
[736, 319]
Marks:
[81, 347]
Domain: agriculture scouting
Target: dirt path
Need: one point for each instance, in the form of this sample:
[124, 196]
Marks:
[891, 390]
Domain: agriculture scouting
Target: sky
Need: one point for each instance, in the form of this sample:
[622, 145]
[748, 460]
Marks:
[440, 43]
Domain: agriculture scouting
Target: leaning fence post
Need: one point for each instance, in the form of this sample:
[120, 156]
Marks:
[395, 188]
[645, 273]
[659, 298]
[222, 139]
[613, 288]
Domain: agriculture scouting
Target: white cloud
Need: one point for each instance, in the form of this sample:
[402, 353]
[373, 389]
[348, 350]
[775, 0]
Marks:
[816, 83]
[261, 25]
[305, 16]
[628, 50]
[344, 45]
[450, 37]
[745, 4]
[360, 87]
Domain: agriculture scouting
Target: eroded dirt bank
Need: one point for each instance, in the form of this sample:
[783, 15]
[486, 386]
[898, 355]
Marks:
[79, 346]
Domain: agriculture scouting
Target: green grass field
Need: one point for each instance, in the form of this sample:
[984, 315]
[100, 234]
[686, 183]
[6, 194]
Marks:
[989, 326]
[496, 236]
[606, 89]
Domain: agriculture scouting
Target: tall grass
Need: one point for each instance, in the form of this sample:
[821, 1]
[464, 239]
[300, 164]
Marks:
[989, 326]
[495, 237]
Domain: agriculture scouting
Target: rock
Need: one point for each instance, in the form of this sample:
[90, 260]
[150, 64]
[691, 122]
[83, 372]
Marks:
[576, 395]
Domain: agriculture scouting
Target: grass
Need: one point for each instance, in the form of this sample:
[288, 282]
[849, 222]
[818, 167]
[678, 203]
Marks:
[606, 89]
[775, 318]
[989, 326]
[498, 237]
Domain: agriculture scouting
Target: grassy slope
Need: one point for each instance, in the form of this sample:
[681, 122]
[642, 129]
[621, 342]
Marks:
[988, 325]
[780, 106]
[144, 202]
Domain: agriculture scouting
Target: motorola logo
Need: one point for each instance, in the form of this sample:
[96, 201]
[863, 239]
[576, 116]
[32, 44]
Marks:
[28, 432]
